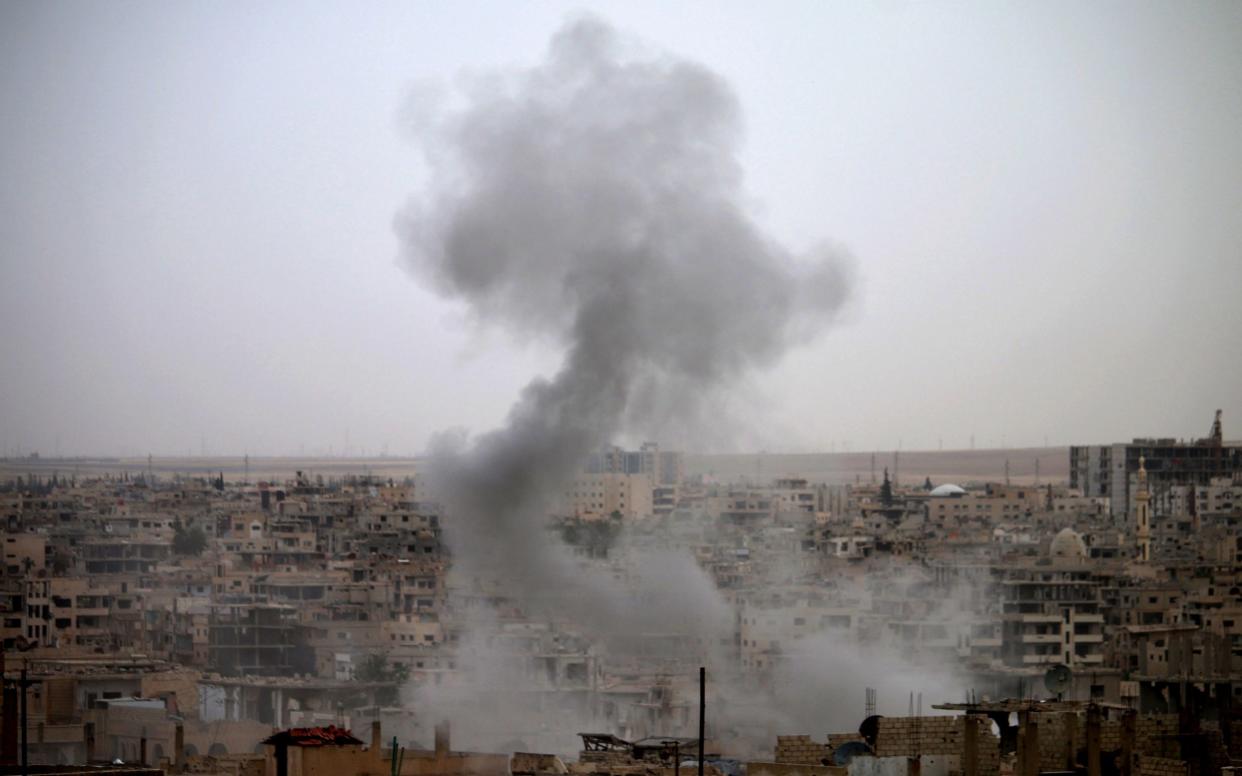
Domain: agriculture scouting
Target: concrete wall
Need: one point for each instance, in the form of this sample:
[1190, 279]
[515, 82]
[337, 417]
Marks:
[181, 685]
[794, 769]
[330, 761]
[119, 730]
[929, 765]
[357, 761]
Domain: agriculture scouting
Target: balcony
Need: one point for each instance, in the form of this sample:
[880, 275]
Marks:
[1039, 618]
[1041, 638]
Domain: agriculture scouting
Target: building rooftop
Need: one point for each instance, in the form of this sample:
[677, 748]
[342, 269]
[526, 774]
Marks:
[313, 736]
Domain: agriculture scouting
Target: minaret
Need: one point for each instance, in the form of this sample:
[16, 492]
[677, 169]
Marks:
[1142, 514]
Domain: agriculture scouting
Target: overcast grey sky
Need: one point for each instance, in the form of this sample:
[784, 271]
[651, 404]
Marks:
[1044, 200]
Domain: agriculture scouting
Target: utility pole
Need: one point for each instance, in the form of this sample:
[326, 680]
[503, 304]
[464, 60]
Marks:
[25, 683]
[702, 714]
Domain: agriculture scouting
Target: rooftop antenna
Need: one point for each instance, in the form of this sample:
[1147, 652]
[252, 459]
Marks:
[896, 465]
[869, 708]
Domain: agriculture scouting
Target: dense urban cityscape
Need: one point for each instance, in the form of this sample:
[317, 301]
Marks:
[183, 619]
[598, 388]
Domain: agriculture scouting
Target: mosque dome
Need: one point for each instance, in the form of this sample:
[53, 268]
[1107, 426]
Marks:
[947, 489]
[1068, 545]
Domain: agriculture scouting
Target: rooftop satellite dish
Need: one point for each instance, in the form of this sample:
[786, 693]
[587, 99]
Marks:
[870, 728]
[846, 752]
[1057, 679]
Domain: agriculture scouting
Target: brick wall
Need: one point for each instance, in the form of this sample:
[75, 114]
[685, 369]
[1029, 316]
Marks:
[910, 736]
[989, 747]
[1160, 766]
[837, 739]
[800, 750]
[1235, 738]
[1151, 733]
[1054, 736]
[1156, 734]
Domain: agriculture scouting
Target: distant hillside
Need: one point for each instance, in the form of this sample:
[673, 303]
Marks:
[916, 465]
[941, 466]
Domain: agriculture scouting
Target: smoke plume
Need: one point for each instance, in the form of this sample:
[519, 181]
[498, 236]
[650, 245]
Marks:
[595, 199]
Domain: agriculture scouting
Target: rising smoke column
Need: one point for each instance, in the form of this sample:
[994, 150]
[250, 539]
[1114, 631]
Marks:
[595, 199]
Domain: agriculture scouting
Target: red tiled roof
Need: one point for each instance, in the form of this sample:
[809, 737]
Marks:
[313, 736]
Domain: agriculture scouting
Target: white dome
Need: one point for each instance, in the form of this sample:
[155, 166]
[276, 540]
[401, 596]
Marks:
[947, 489]
[1068, 545]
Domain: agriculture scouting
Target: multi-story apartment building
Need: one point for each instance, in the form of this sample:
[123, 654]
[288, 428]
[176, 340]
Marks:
[1051, 608]
[951, 505]
[1111, 471]
[255, 639]
[609, 494]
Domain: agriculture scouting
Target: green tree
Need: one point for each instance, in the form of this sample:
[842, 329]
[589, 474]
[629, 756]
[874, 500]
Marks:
[189, 541]
[376, 668]
[595, 537]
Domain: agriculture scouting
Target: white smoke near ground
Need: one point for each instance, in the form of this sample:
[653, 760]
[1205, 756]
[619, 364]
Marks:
[595, 200]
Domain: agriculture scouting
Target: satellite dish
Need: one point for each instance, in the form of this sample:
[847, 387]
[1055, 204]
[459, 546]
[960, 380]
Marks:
[1057, 679]
[870, 728]
[848, 751]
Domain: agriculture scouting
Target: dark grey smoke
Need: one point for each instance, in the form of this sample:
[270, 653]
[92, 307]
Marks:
[595, 199]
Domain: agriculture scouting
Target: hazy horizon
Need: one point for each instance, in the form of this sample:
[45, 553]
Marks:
[199, 249]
